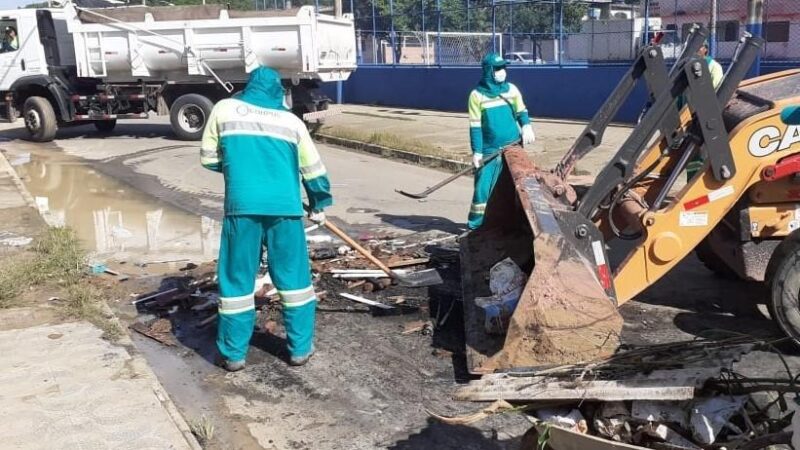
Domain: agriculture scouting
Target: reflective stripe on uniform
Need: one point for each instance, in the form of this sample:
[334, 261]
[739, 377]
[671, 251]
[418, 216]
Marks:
[313, 170]
[235, 305]
[477, 208]
[475, 124]
[241, 127]
[298, 297]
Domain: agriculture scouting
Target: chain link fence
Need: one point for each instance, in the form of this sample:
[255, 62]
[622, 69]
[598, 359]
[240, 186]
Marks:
[548, 32]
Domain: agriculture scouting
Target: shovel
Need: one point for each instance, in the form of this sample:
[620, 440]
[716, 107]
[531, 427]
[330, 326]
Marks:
[422, 278]
[448, 180]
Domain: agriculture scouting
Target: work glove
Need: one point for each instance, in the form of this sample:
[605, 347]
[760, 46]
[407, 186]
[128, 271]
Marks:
[528, 137]
[318, 217]
[477, 160]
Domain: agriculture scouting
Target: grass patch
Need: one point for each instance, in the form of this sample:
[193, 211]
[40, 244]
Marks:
[56, 260]
[202, 429]
[391, 141]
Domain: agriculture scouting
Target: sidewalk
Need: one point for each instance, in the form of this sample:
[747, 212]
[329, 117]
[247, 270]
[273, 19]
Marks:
[446, 135]
[61, 384]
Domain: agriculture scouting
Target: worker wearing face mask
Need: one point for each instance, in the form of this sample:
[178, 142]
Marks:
[498, 119]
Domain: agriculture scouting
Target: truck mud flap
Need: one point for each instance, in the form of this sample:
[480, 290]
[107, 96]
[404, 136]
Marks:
[567, 312]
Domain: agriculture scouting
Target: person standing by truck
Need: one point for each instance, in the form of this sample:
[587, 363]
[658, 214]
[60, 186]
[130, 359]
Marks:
[263, 152]
[496, 113]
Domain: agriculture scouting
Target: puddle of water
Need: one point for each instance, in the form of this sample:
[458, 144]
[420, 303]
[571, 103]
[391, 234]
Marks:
[113, 218]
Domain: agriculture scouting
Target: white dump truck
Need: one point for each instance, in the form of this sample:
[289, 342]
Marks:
[74, 65]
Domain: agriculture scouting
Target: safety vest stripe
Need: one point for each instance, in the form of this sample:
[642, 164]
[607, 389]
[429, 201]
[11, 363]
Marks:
[296, 297]
[233, 305]
[477, 208]
[313, 298]
[313, 170]
[257, 128]
[229, 312]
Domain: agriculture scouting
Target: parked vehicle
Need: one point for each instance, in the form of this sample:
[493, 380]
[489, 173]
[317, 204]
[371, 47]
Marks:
[77, 65]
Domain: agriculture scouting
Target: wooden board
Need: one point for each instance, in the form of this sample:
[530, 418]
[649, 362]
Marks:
[534, 389]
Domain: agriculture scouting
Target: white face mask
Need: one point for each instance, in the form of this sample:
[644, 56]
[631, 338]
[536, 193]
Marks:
[500, 76]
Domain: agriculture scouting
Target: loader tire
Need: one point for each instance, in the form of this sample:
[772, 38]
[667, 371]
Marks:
[784, 299]
[105, 126]
[189, 115]
[40, 119]
[713, 262]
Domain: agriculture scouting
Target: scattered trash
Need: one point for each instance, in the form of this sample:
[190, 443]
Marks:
[570, 419]
[710, 415]
[418, 326]
[323, 253]
[506, 282]
[207, 320]
[319, 239]
[211, 301]
[159, 330]
[154, 296]
[16, 241]
[365, 301]
[675, 396]
[97, 268]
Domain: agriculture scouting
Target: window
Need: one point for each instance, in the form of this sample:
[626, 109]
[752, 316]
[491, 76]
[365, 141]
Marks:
[776, 31]
[728, 31]
[10, 38]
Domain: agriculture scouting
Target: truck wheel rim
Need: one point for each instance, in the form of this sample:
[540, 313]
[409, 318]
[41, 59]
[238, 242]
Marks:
[192, 118]
[32, 120]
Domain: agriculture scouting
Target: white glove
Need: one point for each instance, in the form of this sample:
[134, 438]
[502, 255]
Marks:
[528, 137]
[477, 160]
[318, 217]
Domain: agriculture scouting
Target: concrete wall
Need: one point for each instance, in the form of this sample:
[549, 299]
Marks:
[556, 92]
[565, 92]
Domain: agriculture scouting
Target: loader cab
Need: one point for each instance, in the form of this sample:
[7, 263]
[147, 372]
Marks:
[21, 52]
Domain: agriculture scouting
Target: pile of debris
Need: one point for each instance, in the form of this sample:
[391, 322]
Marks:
[673, 396]
[343, 278]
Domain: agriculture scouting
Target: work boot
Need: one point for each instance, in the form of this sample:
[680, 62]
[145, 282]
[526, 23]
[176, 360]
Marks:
[230, 366]
[301, 360]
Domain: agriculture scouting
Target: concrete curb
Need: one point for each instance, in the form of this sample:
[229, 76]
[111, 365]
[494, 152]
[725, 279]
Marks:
[434, 162]
[6, 167]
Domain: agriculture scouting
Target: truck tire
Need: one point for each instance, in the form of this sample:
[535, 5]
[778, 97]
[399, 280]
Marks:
[188, 116]
[784, 287]
[105, 126]
[40, 119]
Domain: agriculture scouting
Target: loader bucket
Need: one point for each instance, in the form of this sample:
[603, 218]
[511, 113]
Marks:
[567, 312]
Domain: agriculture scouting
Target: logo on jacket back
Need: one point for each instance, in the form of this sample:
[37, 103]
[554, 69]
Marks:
[769, 140]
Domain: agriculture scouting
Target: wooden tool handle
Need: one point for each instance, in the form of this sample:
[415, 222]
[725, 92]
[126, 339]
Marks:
[352, 243]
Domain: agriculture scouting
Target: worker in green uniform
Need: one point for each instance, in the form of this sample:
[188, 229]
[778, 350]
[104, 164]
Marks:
[497, 119]
[264, 152]
[717, 74]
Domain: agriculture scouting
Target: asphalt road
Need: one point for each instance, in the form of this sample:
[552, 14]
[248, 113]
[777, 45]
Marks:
[143, 155]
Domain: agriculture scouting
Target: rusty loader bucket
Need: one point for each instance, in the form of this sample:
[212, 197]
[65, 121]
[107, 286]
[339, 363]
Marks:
[567, 312]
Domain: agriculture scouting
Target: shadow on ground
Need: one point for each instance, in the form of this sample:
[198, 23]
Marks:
[422, 223]
[143, 130]
[691, 301]
[437, 435]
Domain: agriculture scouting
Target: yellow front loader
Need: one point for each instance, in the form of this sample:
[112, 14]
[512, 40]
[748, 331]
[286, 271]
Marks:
[589, 250]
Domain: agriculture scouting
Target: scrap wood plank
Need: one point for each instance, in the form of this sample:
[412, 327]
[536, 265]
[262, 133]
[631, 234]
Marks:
[547, 389]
